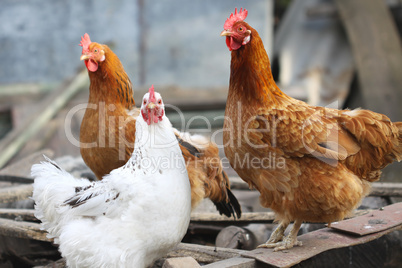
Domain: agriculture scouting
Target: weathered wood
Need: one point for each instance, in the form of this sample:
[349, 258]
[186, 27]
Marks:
[238, 262]
[386, 189]
[377, 188]
[15, 179]
[204, 254]
[57, 264]
[23, 89]
[246, 218]
[22, 167]
[21, 229]
[199, 218]
[15, 139]
[42, 139]
[182, 262]
[15, 193]
[20, 214]
[377, 52]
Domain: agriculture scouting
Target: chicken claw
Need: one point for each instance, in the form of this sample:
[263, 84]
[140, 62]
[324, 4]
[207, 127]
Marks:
[276, 236]
[289, 241]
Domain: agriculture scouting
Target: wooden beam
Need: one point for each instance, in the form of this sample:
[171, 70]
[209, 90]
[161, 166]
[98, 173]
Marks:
[238, 262]
[15, 193]
[15, 179]
[198, 218]
[22, 229]
[377, 52]
[22, 167]
[246, 218]
[15, 139]
[20, 214]
[386, 189]
[204, 254]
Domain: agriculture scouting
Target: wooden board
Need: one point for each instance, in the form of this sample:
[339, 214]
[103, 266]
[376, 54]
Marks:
[377, 53]
[22, 229]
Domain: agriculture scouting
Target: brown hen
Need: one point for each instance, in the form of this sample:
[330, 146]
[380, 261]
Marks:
[309, 163]
[108, 131]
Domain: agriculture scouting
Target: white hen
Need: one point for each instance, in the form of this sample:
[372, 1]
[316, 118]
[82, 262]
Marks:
[135, 215]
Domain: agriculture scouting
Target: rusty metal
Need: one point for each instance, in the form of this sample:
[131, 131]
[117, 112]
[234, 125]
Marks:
[375, 221]
[325, 239]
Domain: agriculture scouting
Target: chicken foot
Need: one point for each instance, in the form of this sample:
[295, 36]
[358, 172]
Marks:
[276, 240]
[277, 235]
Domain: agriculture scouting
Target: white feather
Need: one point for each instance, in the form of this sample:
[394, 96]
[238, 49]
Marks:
[196, 140]
[135, 215]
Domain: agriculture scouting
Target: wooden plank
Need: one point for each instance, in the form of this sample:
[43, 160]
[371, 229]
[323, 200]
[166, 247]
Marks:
[57, 264]
[15, 193]
[377, 52]
[23, 166]
[21, 229]
[15, 139]
[375, 221]
[23, 89]
[246, 218]
[20, 214]
[238, 262]
[204, 254]
[198, 218]
[386, 189]
[15, 179]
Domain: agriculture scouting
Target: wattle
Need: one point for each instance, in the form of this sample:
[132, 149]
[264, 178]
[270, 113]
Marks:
[91, 65]
[232, 44]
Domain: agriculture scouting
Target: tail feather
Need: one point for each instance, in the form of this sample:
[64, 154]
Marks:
[380, 142]
[208, 175]
[398, 151]
[230, 206]
[52, 186]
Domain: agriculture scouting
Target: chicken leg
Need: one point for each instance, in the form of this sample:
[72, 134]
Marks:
[290, 240]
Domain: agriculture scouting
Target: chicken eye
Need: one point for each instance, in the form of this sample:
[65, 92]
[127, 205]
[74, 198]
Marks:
[241, 29]
[160, 102]
[96, 51]
[145, 102]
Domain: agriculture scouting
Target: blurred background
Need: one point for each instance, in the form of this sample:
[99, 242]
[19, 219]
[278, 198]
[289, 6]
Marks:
[326, 52]
[174, 45]
[334, 53]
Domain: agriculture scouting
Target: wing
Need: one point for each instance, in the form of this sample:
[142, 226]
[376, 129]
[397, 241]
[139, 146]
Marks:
[93, 200]
[284, 136]
[300, 130]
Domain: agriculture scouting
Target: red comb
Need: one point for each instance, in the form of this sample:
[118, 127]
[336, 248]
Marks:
[152, 97]
[85, 42]
[235, 18]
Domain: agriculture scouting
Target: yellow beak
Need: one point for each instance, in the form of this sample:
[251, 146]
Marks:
[84, 57]
[226, 33]
[151, 105]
